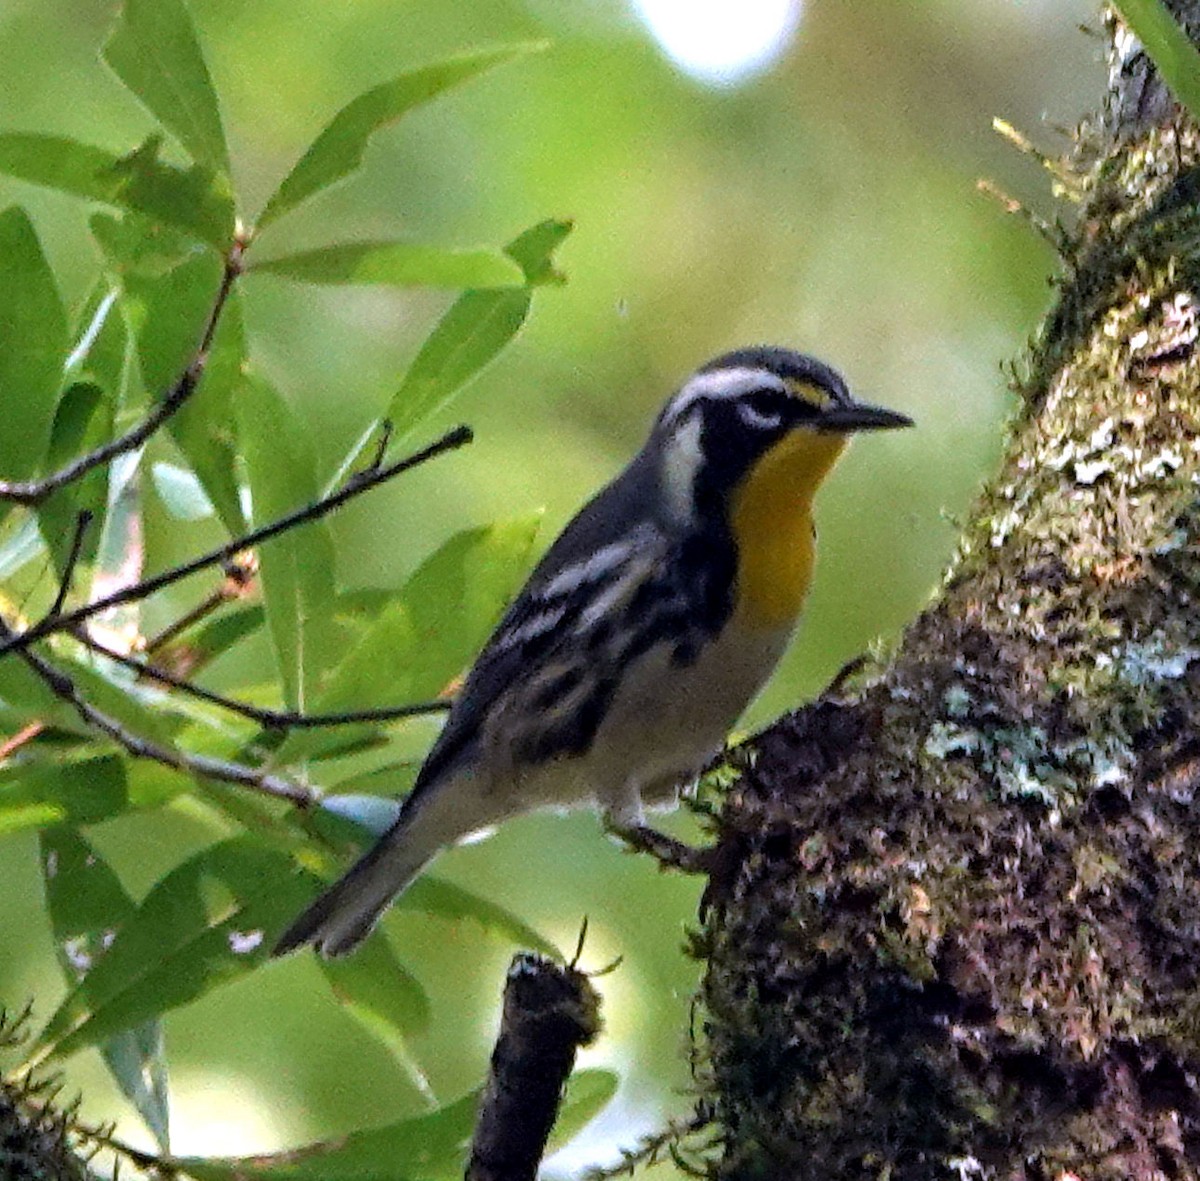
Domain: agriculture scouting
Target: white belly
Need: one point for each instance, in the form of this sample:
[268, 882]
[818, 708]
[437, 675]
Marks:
[663, 725]
[668, 721]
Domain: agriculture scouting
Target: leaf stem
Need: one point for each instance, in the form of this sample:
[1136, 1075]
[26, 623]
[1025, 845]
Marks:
[65, 689]
[360, 482]
[270, 719]
[33, 492]
[82, 521]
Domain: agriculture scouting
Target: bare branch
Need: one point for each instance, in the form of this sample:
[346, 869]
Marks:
[66, 690]
[34, 492]
[239, 578]
[271, 719]
[82, 521]
[363, 481]
[22, 737]
[549, 1012]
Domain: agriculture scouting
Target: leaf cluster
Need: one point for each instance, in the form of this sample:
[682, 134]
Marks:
[141, 416]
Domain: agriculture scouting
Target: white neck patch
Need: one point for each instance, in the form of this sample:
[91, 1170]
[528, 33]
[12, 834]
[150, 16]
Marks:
[682, 422]
[682, 457]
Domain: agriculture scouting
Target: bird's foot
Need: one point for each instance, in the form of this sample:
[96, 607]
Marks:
[669, 852]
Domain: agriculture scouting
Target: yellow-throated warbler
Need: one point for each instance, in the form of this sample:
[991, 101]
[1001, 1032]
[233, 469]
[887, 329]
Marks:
[640, 637]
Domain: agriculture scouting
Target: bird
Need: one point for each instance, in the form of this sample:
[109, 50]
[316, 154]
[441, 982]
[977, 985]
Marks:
[641, 636]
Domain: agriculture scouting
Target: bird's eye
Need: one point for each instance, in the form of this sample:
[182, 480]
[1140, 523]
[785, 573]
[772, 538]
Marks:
[759, 416]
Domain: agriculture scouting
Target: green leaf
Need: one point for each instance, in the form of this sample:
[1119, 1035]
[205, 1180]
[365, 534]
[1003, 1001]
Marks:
[339, 149]
[181, 492]
[119, 699]
[473, 331]
[25, 698]
[433, 630]
[168, 313]
[82, 422]
[376, 989]
[209, 922]
[101, 341]
[197, 201]
[1173, 54]
[33, 347]
[85, 419]
[587, 1093]
[154, 51]
[48, 796]
[134, 242]
[21, 545]
[71, 793]
[388, 777]
[436, 896]
[297, 568]
[59, 163]
[449, 607]
[220, 634]
[87, 906]
[397, 264]
[137, 1059]
[533, 251]
[428, 1146]
[204, 429]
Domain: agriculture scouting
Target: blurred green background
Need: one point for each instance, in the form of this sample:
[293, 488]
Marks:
[825, 200]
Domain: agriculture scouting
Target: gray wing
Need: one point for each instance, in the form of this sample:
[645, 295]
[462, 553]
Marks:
[558, 630]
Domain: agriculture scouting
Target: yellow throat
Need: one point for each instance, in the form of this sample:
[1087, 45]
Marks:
[771, 519]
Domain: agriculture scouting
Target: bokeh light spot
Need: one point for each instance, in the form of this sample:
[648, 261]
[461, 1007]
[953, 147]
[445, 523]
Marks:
[722, 41]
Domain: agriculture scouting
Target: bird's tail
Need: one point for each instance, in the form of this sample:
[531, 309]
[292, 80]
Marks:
[340, 918]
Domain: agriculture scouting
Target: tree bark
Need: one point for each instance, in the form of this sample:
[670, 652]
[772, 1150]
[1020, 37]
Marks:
[957, 928]
[35, 1144]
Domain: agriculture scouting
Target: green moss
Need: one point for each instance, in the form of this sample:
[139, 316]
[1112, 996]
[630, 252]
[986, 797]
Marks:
[957, 925]
[35, 1144]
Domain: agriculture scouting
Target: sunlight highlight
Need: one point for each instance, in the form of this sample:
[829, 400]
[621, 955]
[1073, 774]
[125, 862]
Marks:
[219, 1114]
[722, 41]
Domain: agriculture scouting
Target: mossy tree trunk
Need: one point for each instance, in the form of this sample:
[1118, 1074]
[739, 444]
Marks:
[957, 928]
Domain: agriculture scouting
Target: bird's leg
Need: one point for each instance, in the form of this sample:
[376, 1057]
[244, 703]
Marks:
[669, 852]
[624, 818]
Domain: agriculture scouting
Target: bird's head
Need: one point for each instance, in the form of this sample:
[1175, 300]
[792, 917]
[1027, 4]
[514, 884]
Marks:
[755, 411]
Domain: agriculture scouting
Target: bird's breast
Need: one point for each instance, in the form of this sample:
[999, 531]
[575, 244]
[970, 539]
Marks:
[772, 525]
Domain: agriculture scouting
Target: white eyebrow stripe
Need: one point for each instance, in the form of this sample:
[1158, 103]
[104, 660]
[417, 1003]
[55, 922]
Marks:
[727, 383]
[721, 383]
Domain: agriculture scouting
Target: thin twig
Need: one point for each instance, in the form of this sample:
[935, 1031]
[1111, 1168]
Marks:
[82, 521]
[100, 1135]
[362, 481]
[1068, 179]
[239, 578]
[271, 719]
[652, 1147]
[1012, 206]
[66, 690]
[33, 492]
[22, 737]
